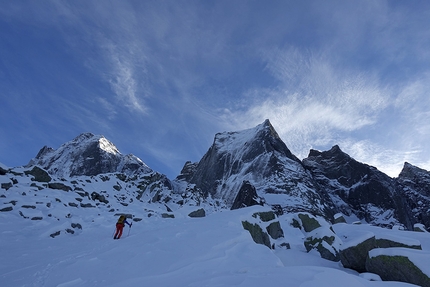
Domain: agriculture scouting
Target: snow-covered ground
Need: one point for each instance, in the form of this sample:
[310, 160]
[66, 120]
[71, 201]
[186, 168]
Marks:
[181, 251]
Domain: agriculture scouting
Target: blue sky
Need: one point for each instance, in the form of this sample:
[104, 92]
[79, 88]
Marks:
[160, 78]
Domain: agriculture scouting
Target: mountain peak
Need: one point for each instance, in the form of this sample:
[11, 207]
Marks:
[410, 171]
[87, 154]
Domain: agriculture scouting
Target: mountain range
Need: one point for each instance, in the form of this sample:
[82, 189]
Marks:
[243, 168]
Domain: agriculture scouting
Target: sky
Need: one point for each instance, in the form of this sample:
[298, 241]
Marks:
[160, 78]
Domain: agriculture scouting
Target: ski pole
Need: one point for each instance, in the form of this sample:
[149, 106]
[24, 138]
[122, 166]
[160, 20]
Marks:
[129, 230]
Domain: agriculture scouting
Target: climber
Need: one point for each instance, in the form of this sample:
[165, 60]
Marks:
[120, 225]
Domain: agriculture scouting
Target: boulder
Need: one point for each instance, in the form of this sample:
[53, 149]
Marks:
[6, 185]
[339, 218]
[309, 222]
[325, 241]
[9, 208]
[265, 216]
[96, 196]
[39, 174]
[354, 257]
[397, 264]
[419, 227]
[198, 213]
[257, 233]
[60, 186]
[397, 242]
[274, 230]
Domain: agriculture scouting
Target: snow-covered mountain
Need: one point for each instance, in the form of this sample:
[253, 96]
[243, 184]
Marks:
[360, 189]
[260, 158]
[81, 188]
[254, 166]
[87, 154]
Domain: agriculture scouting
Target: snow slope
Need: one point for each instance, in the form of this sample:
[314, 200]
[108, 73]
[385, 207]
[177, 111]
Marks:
[183, 251]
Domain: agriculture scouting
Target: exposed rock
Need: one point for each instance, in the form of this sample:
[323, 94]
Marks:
[37, 218]
[167, 215]
[339, 218]
[76, 225]
[274, 230]
[414, 185]
[187, 171]
[29, 206]
[309, 223]
[257, 234]
[86, 205]
[247, 196]
[354, 257]
[2, 171]
[265, 216]
[8, 208]
[198, 213]
[59, 185]
[387, 243]
[325, 241]
[419, 227]
[285, 245]
[39, 174]
[6, 185]
[53, 235]
[99, 197]
[397, 267]
[358, 188]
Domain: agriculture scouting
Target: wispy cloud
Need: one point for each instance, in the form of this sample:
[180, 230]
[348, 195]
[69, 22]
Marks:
[313, 101]
[124, 80]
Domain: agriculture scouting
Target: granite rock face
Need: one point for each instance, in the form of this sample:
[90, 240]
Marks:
[257, 156]
[358, 188]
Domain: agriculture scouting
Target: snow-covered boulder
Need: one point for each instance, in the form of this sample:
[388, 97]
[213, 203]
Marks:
[419, 227]
[38, 174]
[325, 241]
[339, 218]
[308, 222]
[264, 226]
[400, 264]
[197, 213]
[387, 241]
[354, 251]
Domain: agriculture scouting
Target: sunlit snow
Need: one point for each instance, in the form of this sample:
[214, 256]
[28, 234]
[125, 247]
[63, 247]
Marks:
[183, 251]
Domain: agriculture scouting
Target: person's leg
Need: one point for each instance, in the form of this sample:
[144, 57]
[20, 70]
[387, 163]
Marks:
[120, 230]
[117, 232]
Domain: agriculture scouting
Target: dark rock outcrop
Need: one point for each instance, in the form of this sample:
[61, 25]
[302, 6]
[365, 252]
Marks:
[247, 196]
[414, 185]
[358, 188]
[197, 213]
[39, 174]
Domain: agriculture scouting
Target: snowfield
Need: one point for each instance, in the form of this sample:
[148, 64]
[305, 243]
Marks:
[211, 251]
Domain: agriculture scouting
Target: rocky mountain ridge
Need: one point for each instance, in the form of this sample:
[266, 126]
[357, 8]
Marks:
[241, 168]
[87, 154]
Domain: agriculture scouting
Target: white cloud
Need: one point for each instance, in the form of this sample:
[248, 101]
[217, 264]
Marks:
[124, 81]
[314, 102]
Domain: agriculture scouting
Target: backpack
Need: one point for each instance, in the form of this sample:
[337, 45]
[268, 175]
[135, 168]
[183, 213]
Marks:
[121, 219]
